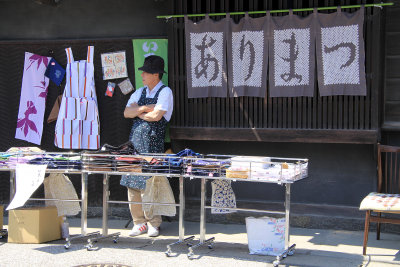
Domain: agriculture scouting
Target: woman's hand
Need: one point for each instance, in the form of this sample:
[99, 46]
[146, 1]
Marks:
[147, 108]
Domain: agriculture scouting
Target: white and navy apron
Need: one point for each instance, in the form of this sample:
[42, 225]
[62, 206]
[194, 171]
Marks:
[146, 137]
[78, 124]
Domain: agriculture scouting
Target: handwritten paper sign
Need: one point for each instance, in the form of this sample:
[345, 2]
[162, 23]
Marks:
[28, 178]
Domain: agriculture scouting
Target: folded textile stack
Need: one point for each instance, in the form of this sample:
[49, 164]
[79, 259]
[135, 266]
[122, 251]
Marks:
[20, 155]
[170, 163]
[238, 172]
[163, 165]
[281, 171]
[129, 163]
[245, 166]
[112, 158]
[58, 161]
[98, 163]
[207, 167]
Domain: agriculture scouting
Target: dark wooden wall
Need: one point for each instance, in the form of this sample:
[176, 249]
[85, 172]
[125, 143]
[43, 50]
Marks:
[331, 119]
[391, 115]
[109, 26]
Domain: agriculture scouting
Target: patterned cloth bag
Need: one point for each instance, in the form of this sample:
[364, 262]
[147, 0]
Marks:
[158, 190]
[58, 185]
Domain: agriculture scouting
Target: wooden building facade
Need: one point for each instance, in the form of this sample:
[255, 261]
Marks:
[337, 133]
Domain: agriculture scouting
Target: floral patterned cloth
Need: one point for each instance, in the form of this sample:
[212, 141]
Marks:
[222, 196]
[381, 201]
[32, 103]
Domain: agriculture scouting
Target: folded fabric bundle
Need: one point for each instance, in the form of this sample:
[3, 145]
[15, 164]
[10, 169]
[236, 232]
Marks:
[207, 167]
[99, 163]
[161, 165]
[238, 172]
[251, 162]
[58, 162]
[129, 168]
[178, 158]
[276, 172]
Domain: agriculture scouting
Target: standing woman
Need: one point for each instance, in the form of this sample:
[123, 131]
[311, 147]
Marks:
[150, 107]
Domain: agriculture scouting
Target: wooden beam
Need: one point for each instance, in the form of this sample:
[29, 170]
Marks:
[275, 135]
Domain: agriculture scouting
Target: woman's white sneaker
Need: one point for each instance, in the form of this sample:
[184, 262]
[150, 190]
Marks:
[153, 231]
[138, 229]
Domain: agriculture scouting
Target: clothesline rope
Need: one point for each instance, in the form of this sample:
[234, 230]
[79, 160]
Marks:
[276, 11]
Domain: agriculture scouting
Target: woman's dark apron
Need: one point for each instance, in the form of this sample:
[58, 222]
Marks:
[147, 137]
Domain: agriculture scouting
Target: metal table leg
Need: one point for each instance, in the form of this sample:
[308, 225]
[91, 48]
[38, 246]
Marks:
[4, 232]
[289, 250]
[104, 235]
[106, 197]
[12, 184]
[203, 240]
[84, 201]
[84, 177]
[182, 238]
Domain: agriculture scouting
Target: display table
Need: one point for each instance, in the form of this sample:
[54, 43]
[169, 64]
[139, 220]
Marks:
[282, 171]
[66, 163]
[270, 170]
[144, 165]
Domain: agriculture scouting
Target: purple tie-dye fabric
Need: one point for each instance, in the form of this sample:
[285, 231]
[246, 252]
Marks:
[33, 99]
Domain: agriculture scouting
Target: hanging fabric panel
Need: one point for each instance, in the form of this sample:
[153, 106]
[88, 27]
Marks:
[248, 56]
[340, 53]
[33, 99]
[292, 56]
[206, 58]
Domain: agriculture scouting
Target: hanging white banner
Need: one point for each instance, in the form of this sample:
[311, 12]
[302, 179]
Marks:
[28, 178]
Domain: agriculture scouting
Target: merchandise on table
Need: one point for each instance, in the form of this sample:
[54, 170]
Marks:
[251, 162]
[207, 167]
[238, 172]
[58, 161]
[281, 171]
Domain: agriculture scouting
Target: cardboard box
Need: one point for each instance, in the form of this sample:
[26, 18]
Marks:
[1, 217]
[34, 225]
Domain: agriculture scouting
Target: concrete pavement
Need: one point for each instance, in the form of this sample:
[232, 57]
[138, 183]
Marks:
[314, 247]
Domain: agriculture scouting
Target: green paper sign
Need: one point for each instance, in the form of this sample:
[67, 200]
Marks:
[146, 47]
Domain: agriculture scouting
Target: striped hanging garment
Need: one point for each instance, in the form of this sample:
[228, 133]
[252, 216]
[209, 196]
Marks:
[78, 125]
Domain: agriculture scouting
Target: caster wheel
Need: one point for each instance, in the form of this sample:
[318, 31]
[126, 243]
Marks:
[189, 244]
[210, 246]
[89, 247]
[290, 253]
[66, 246]
[284, 255]
[116, 240]
[275, 263]
[190, 257]
[167, 254]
